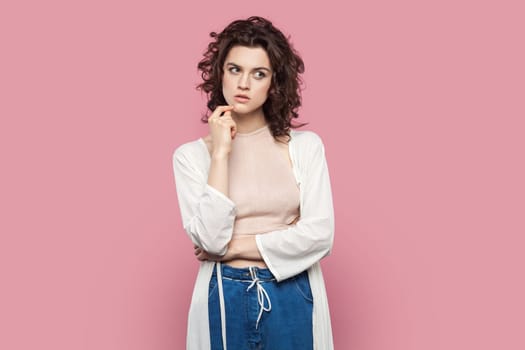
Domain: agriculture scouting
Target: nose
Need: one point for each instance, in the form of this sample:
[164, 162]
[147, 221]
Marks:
[244, 82]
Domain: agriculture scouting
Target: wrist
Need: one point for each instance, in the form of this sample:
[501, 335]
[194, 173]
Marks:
[220, 154]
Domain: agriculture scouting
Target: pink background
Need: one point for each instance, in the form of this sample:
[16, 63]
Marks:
[420, 106]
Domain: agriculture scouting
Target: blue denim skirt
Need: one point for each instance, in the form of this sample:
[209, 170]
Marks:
[261, 313]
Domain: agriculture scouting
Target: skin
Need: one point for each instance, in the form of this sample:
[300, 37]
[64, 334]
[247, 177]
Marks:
[247, 71]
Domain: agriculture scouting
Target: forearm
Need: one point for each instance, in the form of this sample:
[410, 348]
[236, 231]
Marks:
[243, 247]
[218, 174]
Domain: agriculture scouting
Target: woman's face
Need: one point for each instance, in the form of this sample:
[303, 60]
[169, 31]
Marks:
[247, 72]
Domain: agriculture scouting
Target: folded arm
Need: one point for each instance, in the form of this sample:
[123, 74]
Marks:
[290, 251]
[208, 215]
[286, 252]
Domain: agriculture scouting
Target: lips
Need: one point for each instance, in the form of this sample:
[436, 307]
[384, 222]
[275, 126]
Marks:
[241, 98]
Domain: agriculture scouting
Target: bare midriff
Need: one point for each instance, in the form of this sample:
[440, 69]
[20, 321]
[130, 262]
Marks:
[241, 263]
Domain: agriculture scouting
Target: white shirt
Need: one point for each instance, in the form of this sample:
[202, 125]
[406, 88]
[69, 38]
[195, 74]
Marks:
[208, 218]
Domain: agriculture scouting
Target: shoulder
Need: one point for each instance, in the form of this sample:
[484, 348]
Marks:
[307, 150]
[190, 151]
[306, 139]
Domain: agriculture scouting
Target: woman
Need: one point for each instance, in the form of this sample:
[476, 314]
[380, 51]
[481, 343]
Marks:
[256, 200]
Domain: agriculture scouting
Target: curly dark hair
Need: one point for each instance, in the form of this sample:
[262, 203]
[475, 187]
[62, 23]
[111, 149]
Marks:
[284, 95]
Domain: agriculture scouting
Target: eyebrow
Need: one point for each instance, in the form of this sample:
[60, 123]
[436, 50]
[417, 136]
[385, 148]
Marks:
[256, 68]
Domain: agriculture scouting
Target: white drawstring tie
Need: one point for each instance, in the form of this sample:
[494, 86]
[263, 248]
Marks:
[261, 294]
[222, 305]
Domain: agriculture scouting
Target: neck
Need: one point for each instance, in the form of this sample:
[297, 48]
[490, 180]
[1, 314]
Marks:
[249, 122]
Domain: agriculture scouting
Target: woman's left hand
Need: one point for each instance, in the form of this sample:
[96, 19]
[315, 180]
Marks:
[202, 255]
[243, 247]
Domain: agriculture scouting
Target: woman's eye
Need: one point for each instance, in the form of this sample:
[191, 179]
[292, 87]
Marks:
[232, 69]
[261, 74]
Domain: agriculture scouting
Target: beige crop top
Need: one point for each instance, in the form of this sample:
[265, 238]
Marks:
[261, 183]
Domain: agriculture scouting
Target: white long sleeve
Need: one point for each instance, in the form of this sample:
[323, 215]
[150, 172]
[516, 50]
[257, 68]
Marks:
[207, 214]
[290, 251]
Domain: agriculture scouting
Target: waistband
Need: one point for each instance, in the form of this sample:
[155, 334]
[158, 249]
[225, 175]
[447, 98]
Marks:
[243, 273]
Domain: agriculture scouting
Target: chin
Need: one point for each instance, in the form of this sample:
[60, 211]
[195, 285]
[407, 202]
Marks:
[241, 107]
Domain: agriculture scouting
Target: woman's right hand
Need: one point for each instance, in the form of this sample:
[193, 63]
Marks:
[222, 129]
